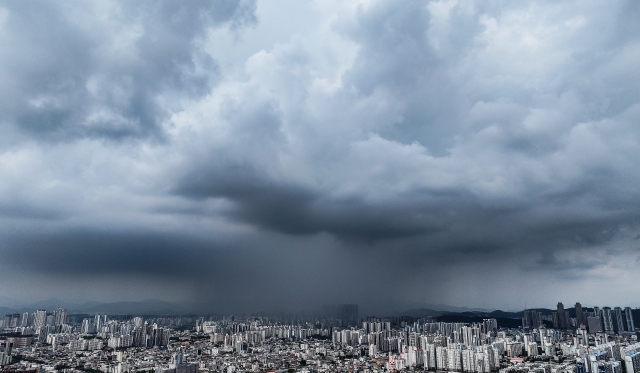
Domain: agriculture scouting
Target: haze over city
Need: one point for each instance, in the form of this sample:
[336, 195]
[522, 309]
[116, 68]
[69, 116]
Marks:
[282, 155]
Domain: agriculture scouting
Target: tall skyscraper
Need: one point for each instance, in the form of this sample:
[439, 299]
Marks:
[60, 316]
[563, 317]
[628, 315]
[607, 320]
[581, 316]
[87, 326]
[618, 320]
[99, 322]
[40, 318]
[596, 311]
[526, 319]
[531, 319]
[25, 319]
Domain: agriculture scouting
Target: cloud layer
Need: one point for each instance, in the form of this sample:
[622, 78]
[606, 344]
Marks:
[391, 155]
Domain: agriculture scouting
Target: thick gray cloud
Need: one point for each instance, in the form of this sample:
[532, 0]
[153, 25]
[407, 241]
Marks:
[109, 69]
[391, 155]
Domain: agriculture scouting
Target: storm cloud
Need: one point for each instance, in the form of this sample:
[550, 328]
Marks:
[109, 69]
[254, 155]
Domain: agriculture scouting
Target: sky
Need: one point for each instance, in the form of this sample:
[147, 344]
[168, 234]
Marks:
[280, 155]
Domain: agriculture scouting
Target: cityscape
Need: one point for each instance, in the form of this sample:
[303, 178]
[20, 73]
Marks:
[575, 340]
[319, 186]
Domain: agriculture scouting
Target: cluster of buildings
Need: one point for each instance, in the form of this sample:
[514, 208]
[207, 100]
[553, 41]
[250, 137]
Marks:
[85, 334]
[595, 320]
[565, 341]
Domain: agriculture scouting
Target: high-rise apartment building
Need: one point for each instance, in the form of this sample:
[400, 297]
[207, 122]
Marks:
[581, 316]
[607, 320]
[562, 317]
[99, 322]
[628, 315]
[531, 319]
[60, 316]
[40, 318]
[24, 321]
[594, 323]
[618, 320]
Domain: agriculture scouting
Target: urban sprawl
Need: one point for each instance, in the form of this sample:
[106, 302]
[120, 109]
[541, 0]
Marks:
[584, 340]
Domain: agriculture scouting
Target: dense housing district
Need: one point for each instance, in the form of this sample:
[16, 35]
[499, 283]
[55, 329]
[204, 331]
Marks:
[587, 340]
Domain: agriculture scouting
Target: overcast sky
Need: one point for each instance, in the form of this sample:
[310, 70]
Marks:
[283, 154]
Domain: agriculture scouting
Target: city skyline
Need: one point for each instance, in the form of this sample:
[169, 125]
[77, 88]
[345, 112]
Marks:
[256, 155]
[341, 340]
[619, 316]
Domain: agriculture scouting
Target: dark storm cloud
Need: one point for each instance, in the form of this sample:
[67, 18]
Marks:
[238, 275]
[83, 252]
[434, 227]
[422, 152]
[108, 69]
[529, 216]
[292, 210]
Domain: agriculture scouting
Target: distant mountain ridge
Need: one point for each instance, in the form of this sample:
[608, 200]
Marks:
[161, 307]
[504, 318]
[428, 312]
